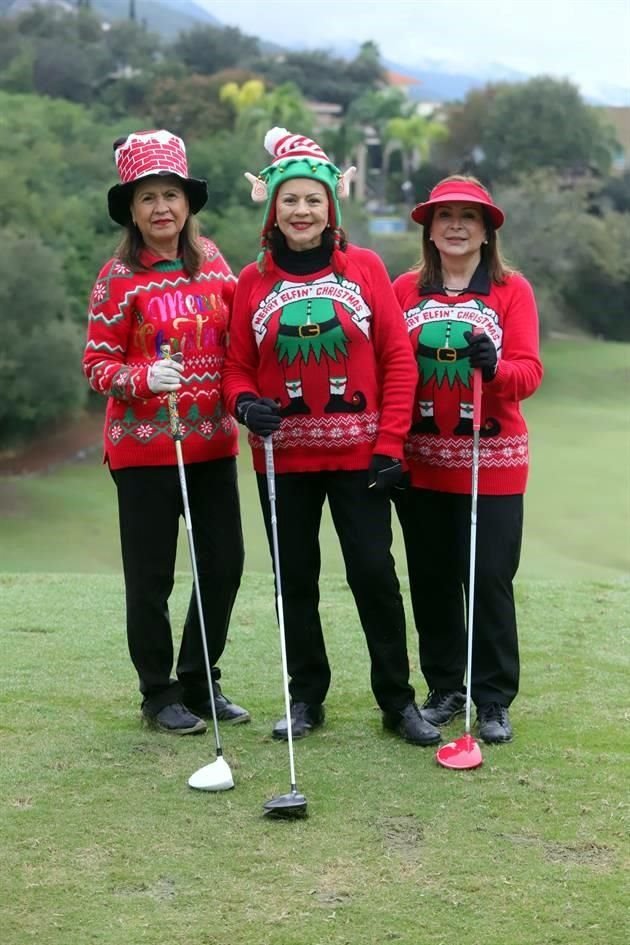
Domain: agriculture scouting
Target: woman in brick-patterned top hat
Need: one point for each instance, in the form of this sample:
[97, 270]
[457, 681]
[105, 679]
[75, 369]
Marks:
[167, 286]
[465, 310]
[319, 359]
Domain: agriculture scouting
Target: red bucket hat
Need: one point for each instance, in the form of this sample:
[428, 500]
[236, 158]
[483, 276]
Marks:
[146, 153]
[451, 190]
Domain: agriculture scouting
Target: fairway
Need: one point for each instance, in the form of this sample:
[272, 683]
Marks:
[577, 508]
[103, 842]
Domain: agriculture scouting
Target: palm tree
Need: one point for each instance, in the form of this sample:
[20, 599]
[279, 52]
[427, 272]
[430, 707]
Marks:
[414, 135]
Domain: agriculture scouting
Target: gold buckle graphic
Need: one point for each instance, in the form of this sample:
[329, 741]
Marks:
[446, 354]
[308, 331]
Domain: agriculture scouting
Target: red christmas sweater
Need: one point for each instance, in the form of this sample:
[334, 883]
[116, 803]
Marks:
[439, 445]
[131, 314]
[333, 351]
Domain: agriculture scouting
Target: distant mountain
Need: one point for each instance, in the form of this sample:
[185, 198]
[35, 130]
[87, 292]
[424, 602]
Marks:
[440, 81]
[168, 18]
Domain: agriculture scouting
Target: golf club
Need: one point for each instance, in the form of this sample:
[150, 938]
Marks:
[292, 804]
[217, 775]
[464, 752]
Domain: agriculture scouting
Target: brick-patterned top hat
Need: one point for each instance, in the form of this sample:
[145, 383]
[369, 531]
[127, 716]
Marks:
[297, 156]
[146, 153]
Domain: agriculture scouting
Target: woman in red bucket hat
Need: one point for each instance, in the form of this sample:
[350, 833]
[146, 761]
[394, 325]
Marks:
[466, 311]
[168, 289]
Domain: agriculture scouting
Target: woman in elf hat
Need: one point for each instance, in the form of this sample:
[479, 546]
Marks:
[166, 286]
[465, 310]
[319, 359]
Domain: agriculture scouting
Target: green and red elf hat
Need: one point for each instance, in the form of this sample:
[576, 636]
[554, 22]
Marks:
[296, 156]
[144, 154]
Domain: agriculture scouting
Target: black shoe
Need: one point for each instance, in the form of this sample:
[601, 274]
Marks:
[494, 723]
[304, 717]
[175, 719]
[409, 724]
[227, 711]
[442, 705]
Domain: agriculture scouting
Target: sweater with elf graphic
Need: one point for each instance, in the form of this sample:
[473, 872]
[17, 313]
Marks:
[333, 352]
[131, 315]
[439, 445]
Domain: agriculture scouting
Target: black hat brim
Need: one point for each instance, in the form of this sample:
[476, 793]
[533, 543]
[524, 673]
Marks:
[119, 197]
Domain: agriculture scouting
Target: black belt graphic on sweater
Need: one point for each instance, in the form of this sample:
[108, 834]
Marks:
[443, 354]
[310, 329]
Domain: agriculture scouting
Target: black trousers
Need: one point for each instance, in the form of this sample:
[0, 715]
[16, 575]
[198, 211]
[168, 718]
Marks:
[149, 508]
[436, 531]
[362, 520]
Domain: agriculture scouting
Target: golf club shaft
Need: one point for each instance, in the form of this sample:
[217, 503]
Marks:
[193, 562]
[271, 489]
[176, 433]
[473, 538]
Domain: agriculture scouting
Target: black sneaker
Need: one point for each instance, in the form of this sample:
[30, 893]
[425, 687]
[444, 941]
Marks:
[494, 723]
[175, 719]
[410, 725]
[227, 711]
[442, 705]
[304, 717]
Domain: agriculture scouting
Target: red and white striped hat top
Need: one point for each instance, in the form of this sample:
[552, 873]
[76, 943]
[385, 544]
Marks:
[282, 145]
[150, 152]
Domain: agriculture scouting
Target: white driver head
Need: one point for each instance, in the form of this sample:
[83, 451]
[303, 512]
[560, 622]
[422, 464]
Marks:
[213, 777]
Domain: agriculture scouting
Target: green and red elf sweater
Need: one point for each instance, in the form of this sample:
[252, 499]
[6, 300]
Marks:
[333, 352]
[131, 315]
[439, 445]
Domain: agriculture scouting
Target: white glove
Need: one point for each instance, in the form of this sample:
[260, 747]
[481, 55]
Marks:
[165, 376]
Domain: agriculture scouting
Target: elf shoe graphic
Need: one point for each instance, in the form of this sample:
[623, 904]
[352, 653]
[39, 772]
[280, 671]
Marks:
[336, 403]
[490, 427]
[296, 405]
[426, 425]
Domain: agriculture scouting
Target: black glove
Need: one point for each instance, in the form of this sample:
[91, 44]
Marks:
[261, 415]
[482, 354]
[386, 473]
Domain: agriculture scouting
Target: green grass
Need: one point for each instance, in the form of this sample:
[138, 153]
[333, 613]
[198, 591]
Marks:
[103, 842]
[577, 506]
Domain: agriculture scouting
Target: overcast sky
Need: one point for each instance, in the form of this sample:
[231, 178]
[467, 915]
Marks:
[587, 41]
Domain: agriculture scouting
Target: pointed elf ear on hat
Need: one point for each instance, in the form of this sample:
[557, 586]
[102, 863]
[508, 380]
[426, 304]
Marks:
[343, 185]
[259, 188]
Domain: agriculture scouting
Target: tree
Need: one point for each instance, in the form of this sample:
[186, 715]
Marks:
[323, 77]
[547, 223]
[598, 295]
[208, 49]
[415, 135]
[41, 347]
[543, 123]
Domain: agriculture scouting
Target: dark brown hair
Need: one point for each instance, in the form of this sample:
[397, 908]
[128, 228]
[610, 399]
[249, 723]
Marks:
[429, 266]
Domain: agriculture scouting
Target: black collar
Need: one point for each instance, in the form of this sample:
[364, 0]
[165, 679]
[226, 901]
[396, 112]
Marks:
[302, 263]
[479, 284]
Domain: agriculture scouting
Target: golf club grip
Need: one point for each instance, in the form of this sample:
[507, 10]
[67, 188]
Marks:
[477, 379]
[477, 399]
[173, 412]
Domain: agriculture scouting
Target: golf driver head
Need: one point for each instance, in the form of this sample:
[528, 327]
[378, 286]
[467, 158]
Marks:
[213, 777]
[462, 754]
[286, 806]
